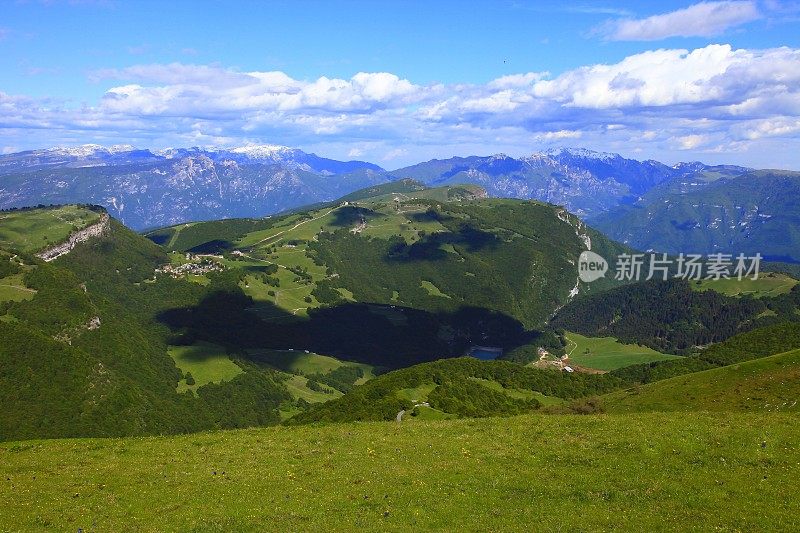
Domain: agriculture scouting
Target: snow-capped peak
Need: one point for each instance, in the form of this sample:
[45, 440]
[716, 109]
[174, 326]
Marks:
[580, 152]
[87, 150]
[83, 150]
[120, 148]
[692, 165]
[261, 151]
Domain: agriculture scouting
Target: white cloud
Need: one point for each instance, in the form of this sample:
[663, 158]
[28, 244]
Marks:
[776, 127]
[715, 96]
[514, 81]
[706, 19]
[716, 74]
[690, 142]
[558, 135]
[394, 154]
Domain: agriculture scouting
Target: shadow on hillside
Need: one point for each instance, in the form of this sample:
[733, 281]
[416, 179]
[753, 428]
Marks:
[429, 247]
[430, 215]
[389, 336]
[348, 216]
[216, 247]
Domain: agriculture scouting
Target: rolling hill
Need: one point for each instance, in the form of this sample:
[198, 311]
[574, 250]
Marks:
[461, 387]
[84, 352]
[246, 322]
[122, 337]
[762, 385]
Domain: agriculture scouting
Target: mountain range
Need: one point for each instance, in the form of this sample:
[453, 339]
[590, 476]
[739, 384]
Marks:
[688, 207]
[708, 212]
[146, 188]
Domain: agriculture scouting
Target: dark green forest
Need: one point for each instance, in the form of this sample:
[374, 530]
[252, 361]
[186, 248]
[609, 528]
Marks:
[670, 317]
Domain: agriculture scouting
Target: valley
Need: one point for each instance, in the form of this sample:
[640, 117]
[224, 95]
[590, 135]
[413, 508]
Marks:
[350, 323]
[399, 266]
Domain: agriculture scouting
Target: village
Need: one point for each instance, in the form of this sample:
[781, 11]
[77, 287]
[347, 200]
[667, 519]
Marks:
[195, 265]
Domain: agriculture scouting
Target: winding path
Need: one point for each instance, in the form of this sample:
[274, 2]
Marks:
[331, 210]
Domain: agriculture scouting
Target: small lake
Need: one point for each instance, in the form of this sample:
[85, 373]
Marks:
[485, 353]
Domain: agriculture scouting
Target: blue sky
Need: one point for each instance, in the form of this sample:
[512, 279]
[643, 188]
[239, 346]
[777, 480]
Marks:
[400, 82]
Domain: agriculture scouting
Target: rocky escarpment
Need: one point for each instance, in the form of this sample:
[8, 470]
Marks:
[93, 230]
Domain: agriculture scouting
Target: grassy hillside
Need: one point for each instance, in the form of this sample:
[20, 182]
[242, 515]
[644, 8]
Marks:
[402, 244]
[461, 387]
[728, 472]
[768, 284]
[762, 385]
[201, 364]
[607, 353]
[30, 230]
[754, 344]
[85, 353]
[407, 276]
[120, 338]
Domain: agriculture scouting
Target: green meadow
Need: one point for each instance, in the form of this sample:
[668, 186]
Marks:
[767, 284]
[607, 353]
[31, 230]
[208, 363]
[13, 289]
[770, 384]
[643, 472]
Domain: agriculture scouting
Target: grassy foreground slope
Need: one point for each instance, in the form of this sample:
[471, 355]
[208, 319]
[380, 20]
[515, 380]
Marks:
[767, 384]
[643, 472]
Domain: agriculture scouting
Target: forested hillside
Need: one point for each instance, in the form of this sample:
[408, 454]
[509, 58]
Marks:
[754, 344]
[120, 337]
[671, 317]
[247, 322]
[85, 355]
[747, 212]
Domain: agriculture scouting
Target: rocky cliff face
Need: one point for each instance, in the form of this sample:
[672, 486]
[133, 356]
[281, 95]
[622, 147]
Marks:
[97, 229]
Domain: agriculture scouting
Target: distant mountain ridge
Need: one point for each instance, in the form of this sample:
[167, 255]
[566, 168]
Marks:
[586, 182]
[89, 155]
[144, 188]
[726, 212]
[156, 188]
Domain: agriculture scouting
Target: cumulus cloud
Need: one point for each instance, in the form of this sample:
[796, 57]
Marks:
[690, 142]
[670, 99]
[776, 127]
[706, 19]
[186, 88]
[558, 135]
